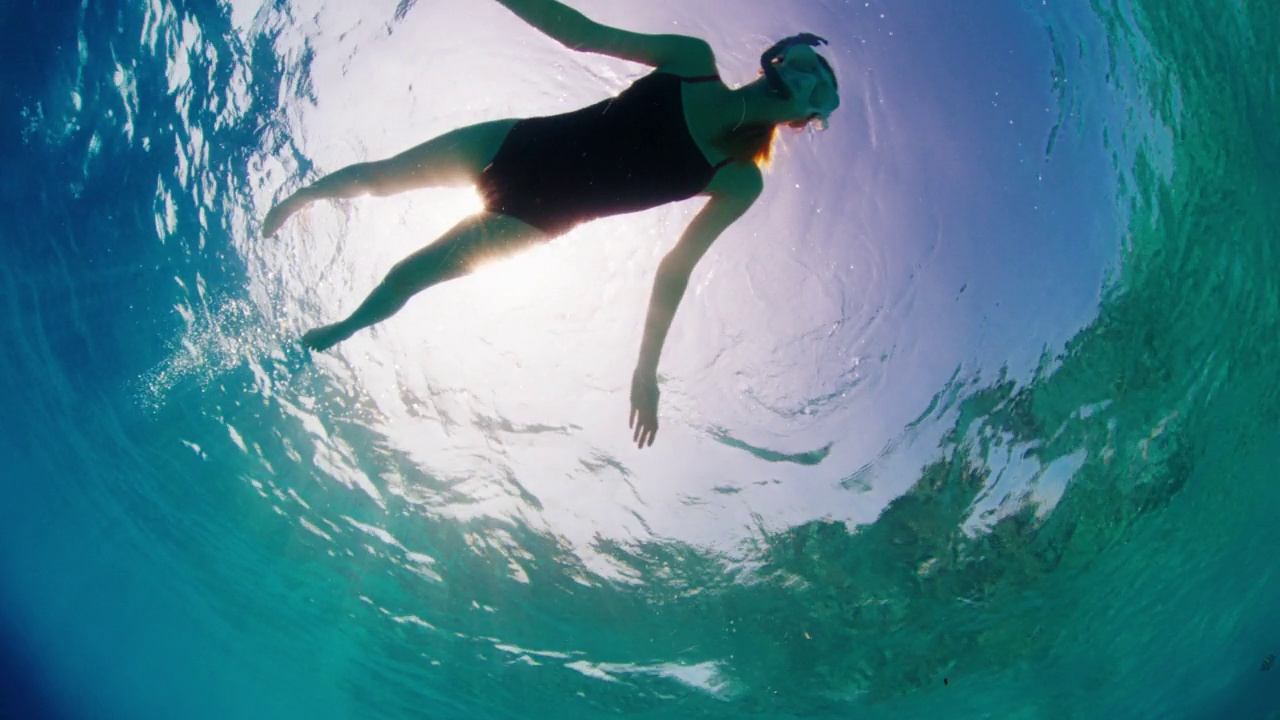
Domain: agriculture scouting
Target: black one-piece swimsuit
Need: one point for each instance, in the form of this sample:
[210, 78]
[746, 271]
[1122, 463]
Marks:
[625, 154]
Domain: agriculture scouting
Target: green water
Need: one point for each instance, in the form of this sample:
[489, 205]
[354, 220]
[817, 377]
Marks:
[1154, 580]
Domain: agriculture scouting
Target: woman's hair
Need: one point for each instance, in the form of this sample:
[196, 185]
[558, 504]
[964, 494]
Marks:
[756, 142]
[751, 142]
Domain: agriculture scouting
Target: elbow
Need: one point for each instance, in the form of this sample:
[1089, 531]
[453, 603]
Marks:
[674, 271]
[573, 29]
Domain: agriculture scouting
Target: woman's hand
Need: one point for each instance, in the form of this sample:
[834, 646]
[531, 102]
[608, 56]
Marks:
[644, 408]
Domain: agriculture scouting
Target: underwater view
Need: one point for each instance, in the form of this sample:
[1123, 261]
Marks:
[972, 414]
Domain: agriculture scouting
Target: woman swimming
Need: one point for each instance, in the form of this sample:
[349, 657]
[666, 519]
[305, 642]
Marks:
[673, 134]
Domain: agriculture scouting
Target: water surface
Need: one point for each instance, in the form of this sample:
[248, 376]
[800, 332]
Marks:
[970, 417]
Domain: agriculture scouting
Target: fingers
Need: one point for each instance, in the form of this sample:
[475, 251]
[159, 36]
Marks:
[645, 432]
[643, 429]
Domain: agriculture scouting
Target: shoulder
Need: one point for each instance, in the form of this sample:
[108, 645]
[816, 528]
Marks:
[739, 181]
[687, 56]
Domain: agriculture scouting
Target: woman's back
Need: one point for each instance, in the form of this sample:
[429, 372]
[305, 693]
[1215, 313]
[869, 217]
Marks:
[621, 155]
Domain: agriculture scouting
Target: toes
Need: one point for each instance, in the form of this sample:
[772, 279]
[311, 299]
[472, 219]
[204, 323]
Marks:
[271, 223]
[316, 340]
[323, 338]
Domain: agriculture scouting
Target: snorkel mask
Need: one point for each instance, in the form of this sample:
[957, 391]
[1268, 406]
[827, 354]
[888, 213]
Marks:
[795, 72]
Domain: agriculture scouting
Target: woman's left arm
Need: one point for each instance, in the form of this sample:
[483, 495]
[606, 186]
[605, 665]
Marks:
[741, 184]
[678, 53]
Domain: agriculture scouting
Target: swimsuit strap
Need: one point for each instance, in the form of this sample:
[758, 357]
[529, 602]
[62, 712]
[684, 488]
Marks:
[708, 78]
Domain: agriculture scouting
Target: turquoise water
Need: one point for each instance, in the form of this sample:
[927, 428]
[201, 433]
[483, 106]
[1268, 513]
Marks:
[972, 418]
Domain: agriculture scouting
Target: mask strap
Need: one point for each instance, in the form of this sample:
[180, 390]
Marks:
[769, 67]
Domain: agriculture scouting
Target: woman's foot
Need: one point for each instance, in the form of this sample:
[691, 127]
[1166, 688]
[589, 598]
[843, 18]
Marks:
[323, 338]
[283, 211]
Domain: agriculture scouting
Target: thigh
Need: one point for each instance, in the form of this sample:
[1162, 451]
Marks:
[480, 238]
[454, 158]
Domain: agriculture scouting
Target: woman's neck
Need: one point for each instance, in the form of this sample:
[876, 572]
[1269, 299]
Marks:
[756, 105]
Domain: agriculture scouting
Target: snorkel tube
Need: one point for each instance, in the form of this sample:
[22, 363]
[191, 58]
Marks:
[768, 61]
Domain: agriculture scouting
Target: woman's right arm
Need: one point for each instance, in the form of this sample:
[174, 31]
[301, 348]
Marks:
[576, 31]
[738, 186]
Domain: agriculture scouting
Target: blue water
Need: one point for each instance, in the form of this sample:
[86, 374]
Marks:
[973, 416]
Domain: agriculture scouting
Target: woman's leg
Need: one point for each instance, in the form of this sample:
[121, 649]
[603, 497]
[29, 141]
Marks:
[455, 158]
[478, 238]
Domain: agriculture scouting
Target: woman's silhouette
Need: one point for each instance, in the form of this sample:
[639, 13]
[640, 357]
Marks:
[673, 134]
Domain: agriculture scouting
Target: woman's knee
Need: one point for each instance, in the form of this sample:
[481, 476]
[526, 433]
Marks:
[381, 178]
[407, 275]
[423, 269]
[373, 178]
[460, 251]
